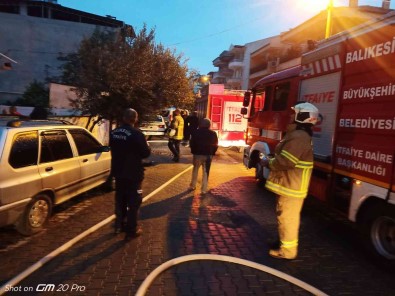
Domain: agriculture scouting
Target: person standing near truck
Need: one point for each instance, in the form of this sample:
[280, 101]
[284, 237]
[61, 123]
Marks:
[176, 124]
[204, 144]
[289, 177]
[190, 126]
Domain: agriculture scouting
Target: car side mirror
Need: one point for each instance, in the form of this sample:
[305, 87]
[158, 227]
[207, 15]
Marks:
[246, 100]
[244, 111]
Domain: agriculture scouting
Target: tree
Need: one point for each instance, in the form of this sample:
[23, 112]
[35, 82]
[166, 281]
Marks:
[116, 70]
[36, 95]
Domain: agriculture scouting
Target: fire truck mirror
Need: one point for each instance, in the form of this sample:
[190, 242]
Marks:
[243, 111]
[247, 97]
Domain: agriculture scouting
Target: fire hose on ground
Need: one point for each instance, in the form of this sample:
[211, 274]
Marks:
[151, 277]
[157, 271]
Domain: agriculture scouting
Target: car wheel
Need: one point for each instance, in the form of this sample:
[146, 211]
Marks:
[35, 215]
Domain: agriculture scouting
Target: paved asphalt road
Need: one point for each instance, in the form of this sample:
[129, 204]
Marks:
[236, 219]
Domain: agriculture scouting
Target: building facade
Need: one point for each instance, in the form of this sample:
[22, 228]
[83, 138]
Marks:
[241, 66]
[34, 34]
[285, 50]
[234, 64]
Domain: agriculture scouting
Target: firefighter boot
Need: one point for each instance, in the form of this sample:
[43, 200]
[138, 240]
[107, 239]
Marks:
[284, 253]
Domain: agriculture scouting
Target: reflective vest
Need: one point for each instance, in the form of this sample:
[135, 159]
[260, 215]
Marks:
[291, 168]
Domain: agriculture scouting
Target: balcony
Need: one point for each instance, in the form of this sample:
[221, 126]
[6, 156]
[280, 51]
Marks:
[225, 72]
[258, 68]
[218, 80]
[236, 64]
[217, 75]
[226, 56]
[218, 62]
[234, 80]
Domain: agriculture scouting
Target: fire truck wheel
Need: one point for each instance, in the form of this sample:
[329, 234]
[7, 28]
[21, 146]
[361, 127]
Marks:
[379, 231]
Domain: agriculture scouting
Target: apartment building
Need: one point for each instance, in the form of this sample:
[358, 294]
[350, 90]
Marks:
[33, 34]
[234, 64]
[285, 50]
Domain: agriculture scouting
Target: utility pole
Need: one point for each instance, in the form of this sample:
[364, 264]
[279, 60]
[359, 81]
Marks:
[328, 30]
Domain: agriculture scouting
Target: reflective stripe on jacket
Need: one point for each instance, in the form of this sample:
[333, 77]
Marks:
[291, 168]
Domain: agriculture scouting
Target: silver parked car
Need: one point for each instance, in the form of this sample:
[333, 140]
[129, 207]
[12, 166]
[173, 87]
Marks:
[42, 164]
[154, 126]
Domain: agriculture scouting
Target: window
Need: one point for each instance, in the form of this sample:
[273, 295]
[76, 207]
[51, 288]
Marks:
[24, 150]
[280, 100]
[38, 11]
[86, 144]
[9, 8]
[152, 118]
[268, 98]
[54, 146]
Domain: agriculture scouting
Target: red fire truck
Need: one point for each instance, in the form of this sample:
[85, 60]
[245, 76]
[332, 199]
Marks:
[350, 77]
[222, 107]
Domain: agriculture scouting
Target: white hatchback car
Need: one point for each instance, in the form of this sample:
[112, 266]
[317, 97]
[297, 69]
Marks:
[154, 126]
[44, 163]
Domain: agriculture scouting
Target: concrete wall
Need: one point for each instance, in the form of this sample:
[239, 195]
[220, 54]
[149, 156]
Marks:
[250, 48]
[35, 43]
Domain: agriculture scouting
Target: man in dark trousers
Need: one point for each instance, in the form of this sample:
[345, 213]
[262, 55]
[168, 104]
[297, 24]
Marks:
[204, 144]
[128, 148]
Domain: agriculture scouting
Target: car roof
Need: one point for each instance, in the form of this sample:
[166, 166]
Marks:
[20, 123]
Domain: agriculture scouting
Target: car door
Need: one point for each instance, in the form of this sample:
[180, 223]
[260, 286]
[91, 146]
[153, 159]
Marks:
[19, 178]
[59, 168]
[95, 162]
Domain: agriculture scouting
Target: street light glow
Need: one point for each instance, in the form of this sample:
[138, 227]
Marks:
[314, 5]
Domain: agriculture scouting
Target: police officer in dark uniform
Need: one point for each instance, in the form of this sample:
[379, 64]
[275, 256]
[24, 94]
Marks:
[128, 148]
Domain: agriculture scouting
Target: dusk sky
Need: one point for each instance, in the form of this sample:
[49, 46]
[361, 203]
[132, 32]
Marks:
[201, 30]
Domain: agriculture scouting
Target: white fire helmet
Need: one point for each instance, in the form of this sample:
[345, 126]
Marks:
[306, 113]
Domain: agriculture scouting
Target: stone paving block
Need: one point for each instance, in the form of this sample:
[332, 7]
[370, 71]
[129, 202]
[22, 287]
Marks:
[125, 281]
[124, 291]
[127, 272]
[96, 284]
[155, 290]
[184, 288]
[200, 291]
[109, 290]
[169, 286]
[112, 278]
[141, 275]
[100, 274]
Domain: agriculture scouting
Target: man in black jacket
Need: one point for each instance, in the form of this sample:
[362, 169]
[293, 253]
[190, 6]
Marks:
[128, 148]
[204, 144]
[191, 124]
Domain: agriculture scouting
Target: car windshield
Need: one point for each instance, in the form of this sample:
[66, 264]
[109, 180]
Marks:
[157, 118]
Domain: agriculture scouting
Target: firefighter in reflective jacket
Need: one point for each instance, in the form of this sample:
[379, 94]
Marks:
[289, 178]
